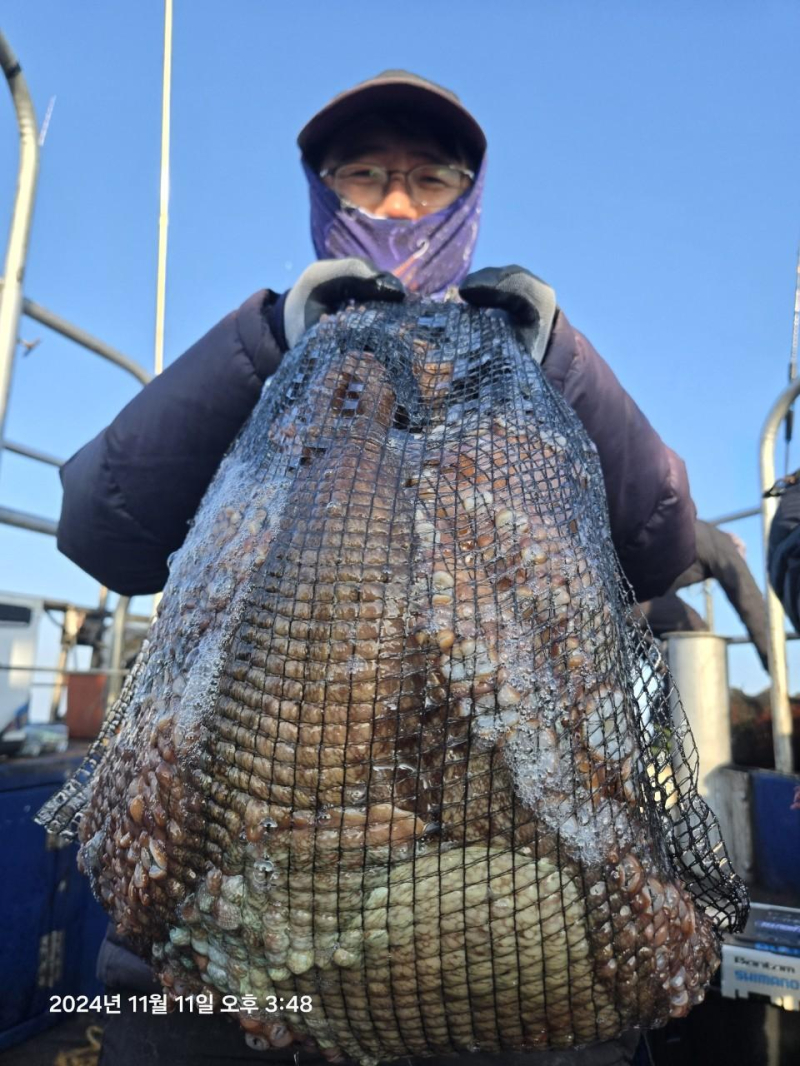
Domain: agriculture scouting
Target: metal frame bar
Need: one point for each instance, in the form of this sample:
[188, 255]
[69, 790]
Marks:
[117, 645]
[32, 453]
[65, 605]
[23, 520]
[776, 636]
[13, 304]
[33, 669]
[86, 340]
[19, 235]
[734, 516]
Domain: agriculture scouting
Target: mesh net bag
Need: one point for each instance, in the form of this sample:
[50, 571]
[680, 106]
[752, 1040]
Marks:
[395, 773]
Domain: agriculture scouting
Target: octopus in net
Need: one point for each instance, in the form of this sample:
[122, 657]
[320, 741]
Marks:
[382, 780]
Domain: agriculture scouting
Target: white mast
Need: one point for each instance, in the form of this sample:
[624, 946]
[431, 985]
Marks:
[163, 216]
[795, 322]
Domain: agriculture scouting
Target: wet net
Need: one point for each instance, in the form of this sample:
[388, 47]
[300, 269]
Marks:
[395, 773]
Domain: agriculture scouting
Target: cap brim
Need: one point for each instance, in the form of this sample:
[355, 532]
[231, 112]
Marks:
[387, 93]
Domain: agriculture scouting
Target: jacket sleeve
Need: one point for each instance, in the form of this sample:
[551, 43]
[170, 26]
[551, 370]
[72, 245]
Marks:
[783, 554]
[650, 509]
[717, 557]
[130, 493]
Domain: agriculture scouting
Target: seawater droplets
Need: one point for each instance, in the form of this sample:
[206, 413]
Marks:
[542, 761]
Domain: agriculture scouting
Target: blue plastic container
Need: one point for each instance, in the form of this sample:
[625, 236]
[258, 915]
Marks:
[776, 832]
[51, 924]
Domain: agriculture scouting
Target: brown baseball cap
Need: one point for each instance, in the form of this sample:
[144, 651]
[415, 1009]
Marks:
[392, 88]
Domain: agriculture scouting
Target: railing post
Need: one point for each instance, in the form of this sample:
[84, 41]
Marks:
[117, 649]
[17, 248]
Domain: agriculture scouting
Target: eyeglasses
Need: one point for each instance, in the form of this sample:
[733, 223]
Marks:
[431, 185]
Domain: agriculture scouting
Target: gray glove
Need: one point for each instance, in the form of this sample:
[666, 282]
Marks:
[529, 302]
[327, 285]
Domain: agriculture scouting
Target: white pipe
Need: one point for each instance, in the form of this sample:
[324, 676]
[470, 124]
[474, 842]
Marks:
[795, 323]
[698, 663]
[163, 215]
[117, 649]
[19, 236]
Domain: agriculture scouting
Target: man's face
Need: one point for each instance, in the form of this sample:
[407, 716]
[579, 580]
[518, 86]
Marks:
[373, 144]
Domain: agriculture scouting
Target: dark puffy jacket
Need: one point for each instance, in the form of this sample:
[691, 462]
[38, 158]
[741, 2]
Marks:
[783, 553]
[130, 493]
[717, 557]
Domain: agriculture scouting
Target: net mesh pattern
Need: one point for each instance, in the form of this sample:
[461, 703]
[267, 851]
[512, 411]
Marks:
[395, 760]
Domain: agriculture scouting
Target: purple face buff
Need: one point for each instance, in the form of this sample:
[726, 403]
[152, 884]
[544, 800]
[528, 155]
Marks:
[428, 254]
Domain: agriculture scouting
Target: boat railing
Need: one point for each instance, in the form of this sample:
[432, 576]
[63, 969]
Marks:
[776, 617]
[13, 304]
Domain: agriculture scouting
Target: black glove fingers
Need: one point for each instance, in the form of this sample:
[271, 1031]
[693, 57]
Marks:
[480, 295]
[529, 302]
[379, 287]
[515, 304]
[334, 292]
[388, 287]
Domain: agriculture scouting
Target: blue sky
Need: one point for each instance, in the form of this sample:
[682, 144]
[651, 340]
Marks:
[644, 160]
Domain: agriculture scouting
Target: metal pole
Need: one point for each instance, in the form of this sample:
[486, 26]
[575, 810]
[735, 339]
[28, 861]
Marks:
[776, 637]
[117, 648]
[734, 516]
[32, 453]
[795, 323]
[93, 671]
[63, 605]
[708, 598]
[58, 684]
[789, 424]
[163, 216]
[19, 236]
[70, 627]
[22, 520]
[80, 336]
[97, 652]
